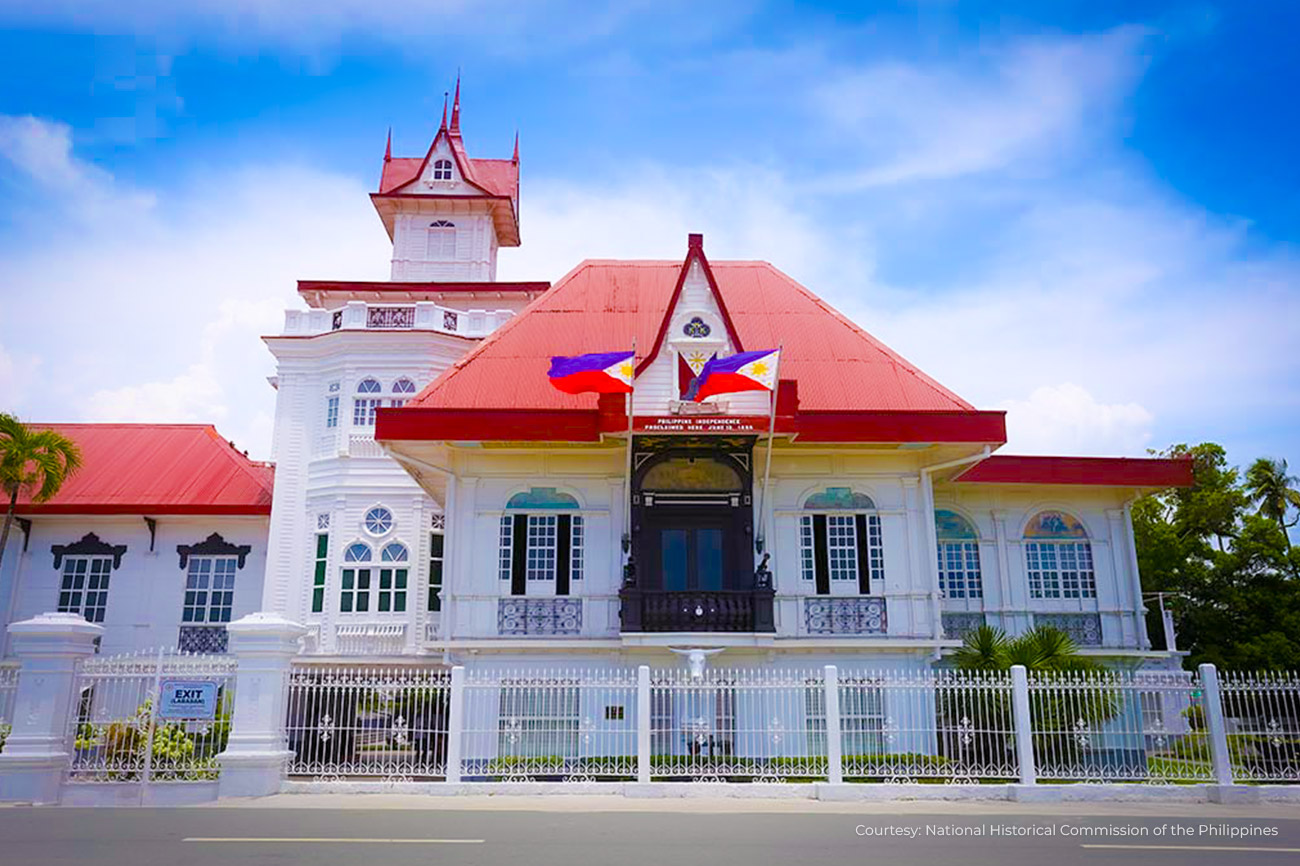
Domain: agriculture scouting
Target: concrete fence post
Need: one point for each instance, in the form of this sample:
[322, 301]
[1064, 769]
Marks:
[49, 648]
[643, 713]
[456, 724]
[834, 740]
[1023, 724]
[1220, 759]
[257, 753]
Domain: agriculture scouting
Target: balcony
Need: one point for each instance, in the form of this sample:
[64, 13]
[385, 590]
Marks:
[711, 611]
[850, 615]
[539, 617]
[420, 316]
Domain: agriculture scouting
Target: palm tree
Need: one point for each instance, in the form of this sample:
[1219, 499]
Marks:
[35, 461]
[1273, 491]
[1044, 648]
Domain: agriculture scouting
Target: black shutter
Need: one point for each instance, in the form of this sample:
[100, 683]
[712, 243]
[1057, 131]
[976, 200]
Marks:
[563, 540]
[821, 557]
[519, 556]
[864, 556]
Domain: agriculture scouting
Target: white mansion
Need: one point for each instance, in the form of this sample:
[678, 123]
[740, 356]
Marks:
[434, 496]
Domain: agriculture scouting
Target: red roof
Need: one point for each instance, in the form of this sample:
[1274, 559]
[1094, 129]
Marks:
[1103, 471]
[847, 380]
[495, 176]
[153, 469]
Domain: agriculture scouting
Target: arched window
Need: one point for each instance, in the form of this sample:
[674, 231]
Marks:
[395, 552]
[357, 553]
[541, 552]
[1058, 557]
[442, 169]
[442, 240]
[840, 543]
[959, 556]
[363, 407]
[401, 386]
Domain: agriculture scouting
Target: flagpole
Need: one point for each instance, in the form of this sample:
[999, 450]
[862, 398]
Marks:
[767, 470]
[627, 507]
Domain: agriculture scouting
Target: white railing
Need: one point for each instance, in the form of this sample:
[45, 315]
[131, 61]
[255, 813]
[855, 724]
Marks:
[1263, 725]
[119, 732]
[370, 638]
[578, 725]
[742, 723]
[939, 725]
[8, 691]
[390, 722]
[790, 725]
[422, 315]
[1114, 727]
[364, 445]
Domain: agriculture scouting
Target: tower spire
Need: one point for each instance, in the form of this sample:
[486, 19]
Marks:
[388, 148]
[442, 127]
[515, 158]
[455, 106]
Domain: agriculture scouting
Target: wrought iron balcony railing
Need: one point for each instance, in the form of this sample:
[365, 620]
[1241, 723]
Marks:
[718, 611]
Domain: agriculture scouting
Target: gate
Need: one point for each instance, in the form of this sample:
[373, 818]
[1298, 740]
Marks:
[151, 717]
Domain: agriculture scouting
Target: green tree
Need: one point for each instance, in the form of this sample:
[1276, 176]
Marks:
[1273, 491]
[1232, 577]
[37, 462]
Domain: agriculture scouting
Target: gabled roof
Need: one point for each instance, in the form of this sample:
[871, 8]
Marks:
[499, 177]
[152, 469]
[851, 387]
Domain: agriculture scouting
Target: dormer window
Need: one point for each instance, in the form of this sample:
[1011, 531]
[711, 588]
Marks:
[442, 169]
[442, 240]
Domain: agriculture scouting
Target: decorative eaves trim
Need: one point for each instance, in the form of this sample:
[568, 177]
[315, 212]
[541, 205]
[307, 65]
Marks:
[89, 545]
[214, 545]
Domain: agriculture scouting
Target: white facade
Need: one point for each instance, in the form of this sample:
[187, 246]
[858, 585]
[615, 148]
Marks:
[144, 605]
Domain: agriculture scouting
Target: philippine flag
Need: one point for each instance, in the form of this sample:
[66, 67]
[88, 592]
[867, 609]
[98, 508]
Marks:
[602, 372]
[744, 371]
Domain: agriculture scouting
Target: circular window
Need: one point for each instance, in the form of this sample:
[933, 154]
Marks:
[378, 520]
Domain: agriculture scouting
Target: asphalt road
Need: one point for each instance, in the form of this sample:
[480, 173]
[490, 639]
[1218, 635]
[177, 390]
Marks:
[388, 837]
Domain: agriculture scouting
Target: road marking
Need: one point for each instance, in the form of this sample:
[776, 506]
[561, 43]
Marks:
[1196, 848]
[332, 840]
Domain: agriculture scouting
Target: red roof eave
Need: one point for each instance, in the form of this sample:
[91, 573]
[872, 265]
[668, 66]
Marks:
[144, 509]
[1152, 472]
[473, 425]
[854, 426]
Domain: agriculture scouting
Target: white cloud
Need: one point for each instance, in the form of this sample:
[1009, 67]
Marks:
[1004, 109]
[160, 310]
[1066, 419]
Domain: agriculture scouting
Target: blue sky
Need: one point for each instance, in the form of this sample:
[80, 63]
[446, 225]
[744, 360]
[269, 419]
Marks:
[1085, 213]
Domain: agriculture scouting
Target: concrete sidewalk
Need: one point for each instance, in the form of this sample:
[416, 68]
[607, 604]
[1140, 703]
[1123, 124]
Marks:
[578, 803]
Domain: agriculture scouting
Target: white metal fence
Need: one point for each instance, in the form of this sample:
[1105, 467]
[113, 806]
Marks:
[930, 725]
[119, 732]
[767, 724]
[1114, 727]
[1262, 713]
[8, 691]
[390, 721]
[574, 725]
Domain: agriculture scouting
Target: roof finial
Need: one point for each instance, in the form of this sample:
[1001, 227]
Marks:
[388, 148]
[443, 126]
[515, 158]
[455, 106]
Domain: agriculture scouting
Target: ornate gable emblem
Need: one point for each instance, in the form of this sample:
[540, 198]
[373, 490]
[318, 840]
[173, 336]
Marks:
[696, 328]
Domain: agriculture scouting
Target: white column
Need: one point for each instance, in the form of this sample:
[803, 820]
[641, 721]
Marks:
[643, 712]
[253, 763]
[49, 647]
[834, 742]
[1023, 725]
[455, 723]
[1219, 757]
[1130, 550]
